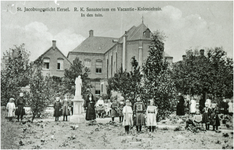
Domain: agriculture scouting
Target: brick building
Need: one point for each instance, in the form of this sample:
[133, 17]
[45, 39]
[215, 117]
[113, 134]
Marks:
[104, 56]
[54, 62]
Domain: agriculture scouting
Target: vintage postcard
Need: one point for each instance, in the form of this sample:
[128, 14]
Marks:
[116, 74]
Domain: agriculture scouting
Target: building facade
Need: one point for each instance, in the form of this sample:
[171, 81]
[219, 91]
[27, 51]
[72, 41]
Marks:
[54, 62]
[104, 56]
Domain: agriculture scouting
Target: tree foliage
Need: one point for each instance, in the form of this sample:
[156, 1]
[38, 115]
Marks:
[200, 74]
[127, 83]
[15, 72]
[157, 80]
[40, 90]
[72, 73]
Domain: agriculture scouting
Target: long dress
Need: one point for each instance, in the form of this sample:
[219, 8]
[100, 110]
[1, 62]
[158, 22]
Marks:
[11, 108]
[151, 113]
[65, 106]
[180, 106]
[193, 106]
[114, 107]
[139, 109]
[20, 104]
[127, 113]
[90, 108]
[120, 108]
[214, 118]
[57, 107]
[206, 115]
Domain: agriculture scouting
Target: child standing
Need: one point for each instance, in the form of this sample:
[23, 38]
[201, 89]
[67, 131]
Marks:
[127, 114]
[206, 116]
[114, 109]
[120, 109]
[151, 113]
[11, 109]
[139, 109]
[214, 117]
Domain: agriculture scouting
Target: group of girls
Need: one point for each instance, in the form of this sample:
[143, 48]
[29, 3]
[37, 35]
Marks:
[137, 115]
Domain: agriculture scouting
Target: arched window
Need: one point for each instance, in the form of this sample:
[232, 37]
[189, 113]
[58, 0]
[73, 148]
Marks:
[60, 64]
[46, 63]
[98, 66]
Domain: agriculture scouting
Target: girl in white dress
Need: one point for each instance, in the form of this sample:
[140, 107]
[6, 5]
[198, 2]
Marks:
[11, 109]
[151, 113]
[127, 116]
[193, 106]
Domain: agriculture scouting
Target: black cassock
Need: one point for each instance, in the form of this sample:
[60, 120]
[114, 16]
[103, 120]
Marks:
[180, 106]
[89, 106]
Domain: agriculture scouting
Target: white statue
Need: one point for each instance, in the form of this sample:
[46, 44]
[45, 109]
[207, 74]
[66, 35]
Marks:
[78, 83]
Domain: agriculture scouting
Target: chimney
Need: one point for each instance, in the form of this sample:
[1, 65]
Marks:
[202, 52]
[124, 49]
[184, 57]
[90, 33]
[54, 43]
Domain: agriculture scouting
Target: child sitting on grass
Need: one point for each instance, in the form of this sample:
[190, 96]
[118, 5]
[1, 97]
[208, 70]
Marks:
[194, 123]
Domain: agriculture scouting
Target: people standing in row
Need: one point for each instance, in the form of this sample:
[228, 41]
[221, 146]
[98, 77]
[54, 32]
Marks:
[10, 109]
[20, 111]
[120, 106]
[114, 107]
[180, 105]
[89, 106]
[151, 113]
[57, 109]
[139, 110]
[127, 116]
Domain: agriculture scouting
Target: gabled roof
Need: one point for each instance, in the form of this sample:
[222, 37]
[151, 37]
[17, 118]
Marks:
[95, 44]
[135, 33]
[51, 48]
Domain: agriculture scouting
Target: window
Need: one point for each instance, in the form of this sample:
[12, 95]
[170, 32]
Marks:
[46, 63]
[98, 66]
[87, 63]
[146, 33]
[60, 64]
[97, 88]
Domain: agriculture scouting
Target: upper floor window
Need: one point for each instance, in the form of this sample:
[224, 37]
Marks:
[87, 63]
[59, 64]
[98, 66]
[46, 63]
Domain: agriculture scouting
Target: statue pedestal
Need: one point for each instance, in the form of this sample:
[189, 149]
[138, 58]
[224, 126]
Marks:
[78, 110]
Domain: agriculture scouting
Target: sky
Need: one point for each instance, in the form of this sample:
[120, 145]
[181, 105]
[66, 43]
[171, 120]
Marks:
[187, 25]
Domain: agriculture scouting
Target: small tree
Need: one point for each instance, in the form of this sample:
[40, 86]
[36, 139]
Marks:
[158, 84]
[127, 83]
[72, 73]
[15, 72]
[39, 91]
